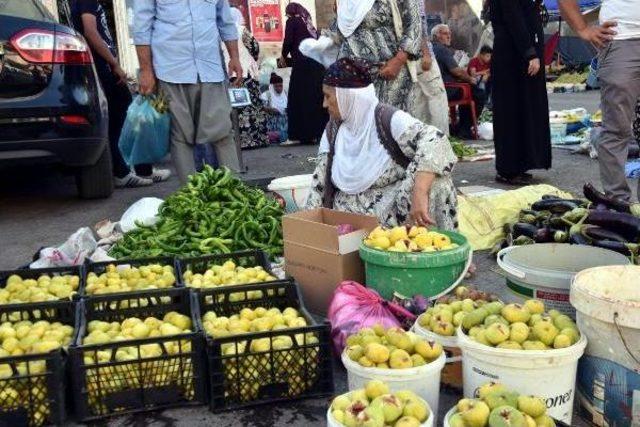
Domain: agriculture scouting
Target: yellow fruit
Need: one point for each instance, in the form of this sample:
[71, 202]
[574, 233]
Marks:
[398, 233]
[381, 242]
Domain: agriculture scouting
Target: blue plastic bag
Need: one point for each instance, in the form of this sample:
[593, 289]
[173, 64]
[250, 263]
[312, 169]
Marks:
[145, 133]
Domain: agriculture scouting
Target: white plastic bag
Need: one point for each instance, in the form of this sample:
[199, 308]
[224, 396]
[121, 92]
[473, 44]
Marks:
[322, 50]
[485, 131]
[79, 246]
[144, 211]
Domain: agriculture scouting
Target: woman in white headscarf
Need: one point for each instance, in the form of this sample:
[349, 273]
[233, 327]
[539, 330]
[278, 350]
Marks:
[377, 160]
[252, 119]
[387, 33]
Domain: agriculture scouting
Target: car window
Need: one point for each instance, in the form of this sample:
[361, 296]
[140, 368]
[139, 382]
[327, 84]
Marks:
[28, 9]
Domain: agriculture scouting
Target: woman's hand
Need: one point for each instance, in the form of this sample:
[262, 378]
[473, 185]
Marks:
[420, 209]
[391, 69]
[426, 62]
[534, 67]
[420, 198]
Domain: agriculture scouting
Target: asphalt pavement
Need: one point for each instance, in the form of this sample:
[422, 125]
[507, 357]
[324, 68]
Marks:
[39, 207]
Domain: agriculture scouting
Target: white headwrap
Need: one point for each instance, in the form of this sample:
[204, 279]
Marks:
[360, 158]
[351, 13]
[278, 100]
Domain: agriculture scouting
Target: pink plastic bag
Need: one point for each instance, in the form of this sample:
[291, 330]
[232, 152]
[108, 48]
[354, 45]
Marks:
[354, 307]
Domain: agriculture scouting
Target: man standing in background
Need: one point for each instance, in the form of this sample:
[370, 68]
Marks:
[90, 19]
[178, 44]
[618, 38]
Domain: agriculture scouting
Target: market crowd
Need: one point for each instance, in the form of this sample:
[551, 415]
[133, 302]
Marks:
[375, 90]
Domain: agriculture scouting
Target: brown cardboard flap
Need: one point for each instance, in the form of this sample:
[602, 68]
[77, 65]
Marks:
[317, 228]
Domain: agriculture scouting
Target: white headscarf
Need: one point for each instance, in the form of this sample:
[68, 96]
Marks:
[278, 100]
[351, 13]
[360, 158]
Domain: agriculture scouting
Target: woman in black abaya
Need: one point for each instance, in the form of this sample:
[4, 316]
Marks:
[307, 117]
[520, 104]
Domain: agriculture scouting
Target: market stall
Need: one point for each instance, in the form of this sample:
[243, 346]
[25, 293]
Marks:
[190, 302]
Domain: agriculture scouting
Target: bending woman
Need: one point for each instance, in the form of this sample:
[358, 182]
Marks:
[377, 160]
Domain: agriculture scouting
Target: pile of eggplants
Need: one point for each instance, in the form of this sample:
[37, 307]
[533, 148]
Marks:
[597, 220]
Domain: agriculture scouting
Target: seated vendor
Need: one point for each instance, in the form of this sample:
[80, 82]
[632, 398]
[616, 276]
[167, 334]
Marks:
[453, 73]
[380, 161]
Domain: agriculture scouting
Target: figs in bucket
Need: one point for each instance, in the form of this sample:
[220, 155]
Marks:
[345, 229]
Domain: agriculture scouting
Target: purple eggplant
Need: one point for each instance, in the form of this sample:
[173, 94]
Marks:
[598, 233]
[598, 197]
[554, 206]
[579, 239]
[627, 249]
[626, 225]
[543, 235]
[523, 229]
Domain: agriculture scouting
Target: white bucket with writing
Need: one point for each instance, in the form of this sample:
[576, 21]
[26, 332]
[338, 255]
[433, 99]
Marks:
[550, 374]
[607, 301]
[423, 380]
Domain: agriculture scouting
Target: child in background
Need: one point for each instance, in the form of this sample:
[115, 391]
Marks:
[275, 101]
[480, 66]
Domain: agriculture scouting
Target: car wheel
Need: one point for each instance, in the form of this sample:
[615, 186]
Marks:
[96, 182]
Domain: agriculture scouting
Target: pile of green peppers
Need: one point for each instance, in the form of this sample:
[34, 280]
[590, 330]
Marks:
[214, 213]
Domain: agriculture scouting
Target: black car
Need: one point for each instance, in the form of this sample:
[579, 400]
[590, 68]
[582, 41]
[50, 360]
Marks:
[52, 107]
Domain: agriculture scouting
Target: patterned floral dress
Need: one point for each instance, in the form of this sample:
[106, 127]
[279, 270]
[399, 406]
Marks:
[389, 198]
[375, 40]
[252, 119]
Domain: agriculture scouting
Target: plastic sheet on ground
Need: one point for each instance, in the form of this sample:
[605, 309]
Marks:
[482, 217]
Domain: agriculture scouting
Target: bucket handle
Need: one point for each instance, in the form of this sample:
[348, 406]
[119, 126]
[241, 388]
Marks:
[624, 342]
[460, 279]
[508, 268]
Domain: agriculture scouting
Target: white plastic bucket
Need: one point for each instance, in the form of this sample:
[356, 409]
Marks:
[550, 374]
[293, 190]
[423, 380]
[607, 301]
[545, 271]
[449, 414]
[331, 422]
[452, 371]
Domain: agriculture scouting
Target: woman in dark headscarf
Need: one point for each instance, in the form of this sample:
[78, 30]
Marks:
[307, 118]
[520, 105]
[377, 160]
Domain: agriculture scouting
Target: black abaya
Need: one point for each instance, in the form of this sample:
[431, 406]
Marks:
[307, 117]
[520, 104]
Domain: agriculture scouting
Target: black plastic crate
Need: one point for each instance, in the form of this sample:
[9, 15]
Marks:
[250, 258]
[241, 378]
[35, 273]
[100, 267]
[32, 387]
[104, 384]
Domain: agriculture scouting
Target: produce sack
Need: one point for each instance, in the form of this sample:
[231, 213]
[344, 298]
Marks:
[145, 133]
[481, 218]
[79, 246]
[354, 307]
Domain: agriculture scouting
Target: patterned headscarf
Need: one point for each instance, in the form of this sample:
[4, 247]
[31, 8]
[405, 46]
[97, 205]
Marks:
[296, 9]
[350, 73]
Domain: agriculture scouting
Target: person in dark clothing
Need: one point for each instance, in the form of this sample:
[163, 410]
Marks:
[520, 105]
[307, 119]
[90, 19]
[453, 73]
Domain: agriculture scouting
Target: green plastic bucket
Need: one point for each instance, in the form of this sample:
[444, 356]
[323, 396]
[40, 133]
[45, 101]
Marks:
[431, 274]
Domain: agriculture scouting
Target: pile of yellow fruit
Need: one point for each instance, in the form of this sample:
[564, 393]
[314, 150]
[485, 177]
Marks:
[26, 337]
[376, 406]
[404, 239]
[294, 362]
[497, 406]
[128, 278]
[520, 326]
[45, 288]
[444, 319]
[174, 369]
[226, 274]
[392, 348]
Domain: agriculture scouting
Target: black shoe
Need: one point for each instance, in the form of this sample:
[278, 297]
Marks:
[516, 180]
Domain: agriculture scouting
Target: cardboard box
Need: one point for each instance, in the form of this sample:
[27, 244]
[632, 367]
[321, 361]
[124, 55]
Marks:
[318, 258]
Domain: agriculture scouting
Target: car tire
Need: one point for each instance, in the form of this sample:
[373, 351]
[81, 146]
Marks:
[96, 182]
